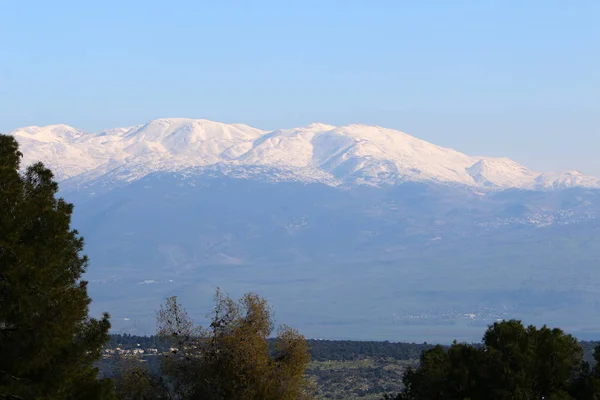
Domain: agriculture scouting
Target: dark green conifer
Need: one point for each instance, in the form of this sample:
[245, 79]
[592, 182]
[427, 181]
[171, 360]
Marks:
[48, 343]
[514, 362]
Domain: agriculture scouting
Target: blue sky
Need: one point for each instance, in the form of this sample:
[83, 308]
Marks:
[500, 78]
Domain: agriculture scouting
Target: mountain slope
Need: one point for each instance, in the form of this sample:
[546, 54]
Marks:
[347, 155]
[349, 231]
[409, 259]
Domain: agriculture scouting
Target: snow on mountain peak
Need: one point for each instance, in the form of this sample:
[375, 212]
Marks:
[317, 126]
[501, 172]
[49, 133]
[565, 179]
[351, 154]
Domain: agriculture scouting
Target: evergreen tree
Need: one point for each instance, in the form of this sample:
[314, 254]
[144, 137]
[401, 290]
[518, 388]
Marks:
[48, 343]
[515, 362]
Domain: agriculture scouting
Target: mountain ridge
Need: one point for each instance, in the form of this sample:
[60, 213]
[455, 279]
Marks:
[353, 154]
[346, 229]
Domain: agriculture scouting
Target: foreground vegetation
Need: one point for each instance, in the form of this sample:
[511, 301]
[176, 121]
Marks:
[513, 362]
[48, 343]
[347, 369]
[338, 370]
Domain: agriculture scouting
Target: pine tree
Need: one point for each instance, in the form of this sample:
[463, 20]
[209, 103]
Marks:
[48, 343]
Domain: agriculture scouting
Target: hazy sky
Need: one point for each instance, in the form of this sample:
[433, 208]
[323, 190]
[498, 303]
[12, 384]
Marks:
[500, 78]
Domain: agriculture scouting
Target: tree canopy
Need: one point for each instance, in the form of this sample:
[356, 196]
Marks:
[231, 358]
[48, 342]
[514, 362]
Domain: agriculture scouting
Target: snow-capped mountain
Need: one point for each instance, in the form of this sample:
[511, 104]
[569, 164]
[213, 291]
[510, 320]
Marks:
[368, 218]
[347, 155]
